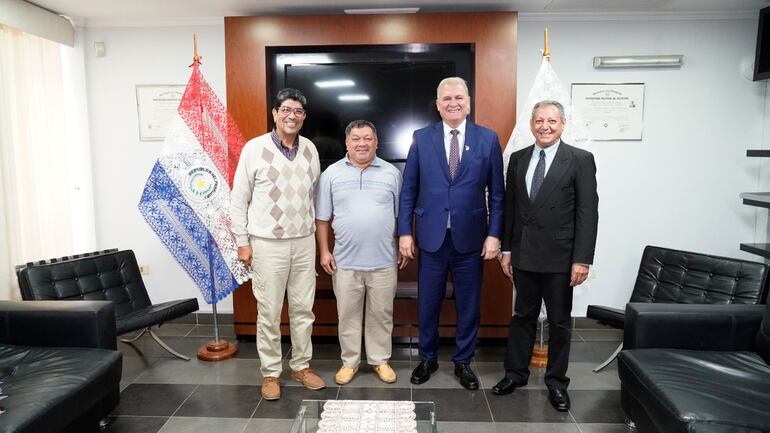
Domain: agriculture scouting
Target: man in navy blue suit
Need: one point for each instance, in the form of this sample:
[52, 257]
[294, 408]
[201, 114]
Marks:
[453, 186]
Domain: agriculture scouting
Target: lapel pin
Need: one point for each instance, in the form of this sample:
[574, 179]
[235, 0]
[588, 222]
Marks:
[467, 148]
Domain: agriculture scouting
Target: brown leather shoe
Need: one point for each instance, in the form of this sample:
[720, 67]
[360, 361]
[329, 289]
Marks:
[385, 373]
[307, 377]
[271, 388]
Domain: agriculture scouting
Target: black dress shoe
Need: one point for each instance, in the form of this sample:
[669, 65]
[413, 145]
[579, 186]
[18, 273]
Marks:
[506, 386]
[559, 399]
[467, 378]
[422, 373]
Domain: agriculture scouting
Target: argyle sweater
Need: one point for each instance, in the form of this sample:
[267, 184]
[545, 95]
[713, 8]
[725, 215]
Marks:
[272, 197]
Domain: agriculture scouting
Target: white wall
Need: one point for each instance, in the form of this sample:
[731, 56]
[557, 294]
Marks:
[122, 163]
[678, 187]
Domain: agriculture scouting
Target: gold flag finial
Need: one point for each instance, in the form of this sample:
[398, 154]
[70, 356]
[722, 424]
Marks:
[546, 49]
[196, 57]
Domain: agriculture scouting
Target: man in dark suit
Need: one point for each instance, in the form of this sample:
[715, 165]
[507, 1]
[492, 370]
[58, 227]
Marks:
[449, 170]
[551, 217]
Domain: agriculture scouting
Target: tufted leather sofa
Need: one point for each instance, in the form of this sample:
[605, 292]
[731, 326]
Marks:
[696, 368]
[683, 277]
[112, 276]
[59, 365]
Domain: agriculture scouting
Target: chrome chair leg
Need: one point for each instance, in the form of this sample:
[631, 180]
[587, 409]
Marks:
[126, 340]
[166, 346]
[609, 360]
[157, 340]
[630, 423]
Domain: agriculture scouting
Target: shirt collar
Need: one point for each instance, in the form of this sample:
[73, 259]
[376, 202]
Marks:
[448, 129]
[550, 150]
[376, 162]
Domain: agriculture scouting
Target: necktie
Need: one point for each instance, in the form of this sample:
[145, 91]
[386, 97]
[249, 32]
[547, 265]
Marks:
[537, 177]
[454, 153]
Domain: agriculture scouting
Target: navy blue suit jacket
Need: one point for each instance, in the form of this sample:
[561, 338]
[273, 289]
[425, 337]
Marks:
[430, 195]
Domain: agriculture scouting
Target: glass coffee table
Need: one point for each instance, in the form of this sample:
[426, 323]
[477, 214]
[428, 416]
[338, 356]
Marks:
[311, 412]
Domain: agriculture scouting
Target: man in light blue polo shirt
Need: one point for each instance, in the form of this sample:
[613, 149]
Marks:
[360, 192]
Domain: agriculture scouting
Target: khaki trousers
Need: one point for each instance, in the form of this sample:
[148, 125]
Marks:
[284, 267]
[379, 289]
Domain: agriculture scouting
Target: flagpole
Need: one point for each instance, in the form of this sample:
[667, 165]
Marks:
[540, 351]
[216, 349]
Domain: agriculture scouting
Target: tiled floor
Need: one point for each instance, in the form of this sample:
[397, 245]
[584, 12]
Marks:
[164, 394]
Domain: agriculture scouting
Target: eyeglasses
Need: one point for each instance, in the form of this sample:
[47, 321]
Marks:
[299, 112]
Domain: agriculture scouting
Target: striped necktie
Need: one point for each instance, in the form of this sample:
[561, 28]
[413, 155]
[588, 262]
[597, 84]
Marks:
[454, 153]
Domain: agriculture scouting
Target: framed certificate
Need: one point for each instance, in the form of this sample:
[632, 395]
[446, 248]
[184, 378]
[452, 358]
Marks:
[610, 111]
[156, 105]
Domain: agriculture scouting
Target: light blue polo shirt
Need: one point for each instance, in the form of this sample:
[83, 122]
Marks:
[364, 205]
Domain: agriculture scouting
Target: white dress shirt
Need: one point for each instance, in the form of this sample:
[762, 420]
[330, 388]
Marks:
[550, 153]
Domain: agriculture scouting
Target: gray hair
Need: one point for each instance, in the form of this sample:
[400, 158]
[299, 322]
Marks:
[547, 102]
[360, 124]
[452, 80]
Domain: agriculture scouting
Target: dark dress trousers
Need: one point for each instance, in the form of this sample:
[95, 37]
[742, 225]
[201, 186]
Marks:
[545, 238]
[430, 195]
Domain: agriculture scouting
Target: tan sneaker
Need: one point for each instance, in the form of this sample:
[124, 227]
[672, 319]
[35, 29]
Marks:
[308, 378]
[271, 388]
[385, 373]
[345, 375]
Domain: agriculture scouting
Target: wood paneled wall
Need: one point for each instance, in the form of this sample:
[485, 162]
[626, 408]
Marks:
[494, 36]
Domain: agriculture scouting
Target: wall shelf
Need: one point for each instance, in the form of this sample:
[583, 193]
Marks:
[758, 153]
[758, 249]
[759, 199]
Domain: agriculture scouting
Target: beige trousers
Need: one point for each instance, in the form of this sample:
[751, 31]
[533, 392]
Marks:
[283, 267]
[379, 289]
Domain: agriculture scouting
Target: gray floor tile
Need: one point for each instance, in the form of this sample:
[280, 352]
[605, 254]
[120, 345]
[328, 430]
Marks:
[225, 331]
[204, 425]
[247, 350]
[604, 349]
[465, 427]
[223, 401]
[133, 366]
[291, 397]
[536, 427]
[582, 376]
[135, 424]
[235, 372]
[175, 370]
[173, 330]
[599, 406]
[152, 399]
[581, 351]
[525, 405]
[264, 425]
[455, 404]
[347, 393]
[605, 428]
[609, 334]
[146, 346]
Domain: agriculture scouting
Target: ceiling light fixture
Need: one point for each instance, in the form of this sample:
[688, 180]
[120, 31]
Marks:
[353, 98]
[656, 61]
[381, 11]
[335, 83]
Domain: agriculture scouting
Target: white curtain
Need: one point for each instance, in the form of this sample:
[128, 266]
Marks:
[44, 165]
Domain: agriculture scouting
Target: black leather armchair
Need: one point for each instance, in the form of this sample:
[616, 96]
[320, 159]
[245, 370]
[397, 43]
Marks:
[112, 276]
[696, 368]
[61, 370]
[682, 277]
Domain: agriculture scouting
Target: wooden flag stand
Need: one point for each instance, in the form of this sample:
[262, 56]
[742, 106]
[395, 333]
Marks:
[216, 349]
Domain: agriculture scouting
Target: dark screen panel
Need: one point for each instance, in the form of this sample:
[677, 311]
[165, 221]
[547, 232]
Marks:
[762, 56]
[399, 80]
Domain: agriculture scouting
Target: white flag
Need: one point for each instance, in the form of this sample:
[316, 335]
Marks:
[547, 86]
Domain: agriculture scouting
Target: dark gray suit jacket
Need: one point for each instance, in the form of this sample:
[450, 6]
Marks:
[560, 227]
